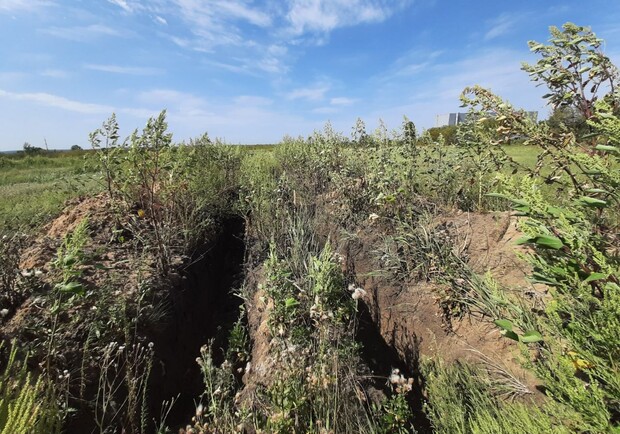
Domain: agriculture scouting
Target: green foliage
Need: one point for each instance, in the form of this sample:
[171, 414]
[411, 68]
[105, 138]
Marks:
[14, 286]
[447, 133]
[26, 405]
[574, 252]
[32, 150]
[69, 259]
[34, 188]
[573, 67]
[461, 400]
[174, 192]
[568, 119]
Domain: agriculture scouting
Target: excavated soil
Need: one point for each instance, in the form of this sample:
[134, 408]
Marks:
[399, 322]
[196, 300]
[408, 317]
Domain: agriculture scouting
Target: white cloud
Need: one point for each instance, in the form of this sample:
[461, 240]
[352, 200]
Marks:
[314, 93]
[160, 20]
[79, 33]
[501, 26]
[81, 108]
[421, 98]
[176, 102]
[411, 63]
[216, 22]
[56, 101]
[323, 16]
[128, 70]
[122, 4]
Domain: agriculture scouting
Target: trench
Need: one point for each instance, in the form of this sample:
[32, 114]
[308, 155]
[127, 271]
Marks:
[381, 357]
[203, 308]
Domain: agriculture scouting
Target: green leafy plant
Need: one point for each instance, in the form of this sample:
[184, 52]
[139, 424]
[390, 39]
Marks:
[573, 67]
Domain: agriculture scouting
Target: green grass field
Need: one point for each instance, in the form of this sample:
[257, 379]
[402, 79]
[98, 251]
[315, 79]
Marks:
[34, 189]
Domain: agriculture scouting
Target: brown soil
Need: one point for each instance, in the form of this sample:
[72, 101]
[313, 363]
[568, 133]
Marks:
[196, 301]
[404, 318]
[408, 316]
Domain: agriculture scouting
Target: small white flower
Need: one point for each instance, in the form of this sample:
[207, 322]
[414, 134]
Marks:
[26, 273]
[358, 293]
[4, 312]
[199, 410]
[38, 273]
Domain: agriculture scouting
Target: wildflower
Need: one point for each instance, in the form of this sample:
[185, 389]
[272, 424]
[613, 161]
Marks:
[395, 376]
[4, 312]
[358, 293]
[141, 213]
[199, 410]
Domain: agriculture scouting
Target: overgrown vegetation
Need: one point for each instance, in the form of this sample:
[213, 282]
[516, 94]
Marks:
[93, 309]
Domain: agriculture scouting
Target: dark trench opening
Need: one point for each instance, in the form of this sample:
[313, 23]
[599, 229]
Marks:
[203, 307]
[381, 358]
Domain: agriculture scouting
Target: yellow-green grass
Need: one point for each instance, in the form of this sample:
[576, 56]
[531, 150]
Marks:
[34, 189]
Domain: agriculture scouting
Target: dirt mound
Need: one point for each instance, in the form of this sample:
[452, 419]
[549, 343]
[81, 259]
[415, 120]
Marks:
[126, 300]
[408, 316]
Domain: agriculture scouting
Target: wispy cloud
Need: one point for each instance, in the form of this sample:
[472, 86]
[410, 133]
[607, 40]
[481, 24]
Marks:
[128, 70]
[326, 110]
[54, 73]
[160, 20]
[122, 4]
[313, 93]
[216, 22]
[23, 5]
[501, 26]
[413, 62]
[84, 108]
[79, 33]
[438, 91]
[176, 101]
[323, 16]
[56, 101]
[342, 101]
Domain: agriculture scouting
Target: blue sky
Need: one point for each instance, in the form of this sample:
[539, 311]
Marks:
[252, 71]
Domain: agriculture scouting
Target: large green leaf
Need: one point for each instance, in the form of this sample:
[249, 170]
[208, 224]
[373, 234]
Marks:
[595, 276]
[503, 324]
[592, 202]
[531, 336]
[71, 288]
[607, 148]
[549, 242]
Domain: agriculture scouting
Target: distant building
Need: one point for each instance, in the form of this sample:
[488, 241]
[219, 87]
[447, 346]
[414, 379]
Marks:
[453, 119]
[450, 119]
